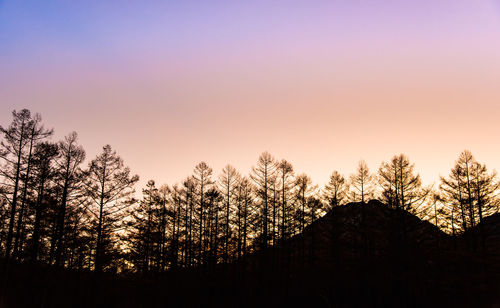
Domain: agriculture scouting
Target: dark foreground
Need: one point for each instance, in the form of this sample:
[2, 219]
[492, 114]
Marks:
[353, 257]
[363, 286]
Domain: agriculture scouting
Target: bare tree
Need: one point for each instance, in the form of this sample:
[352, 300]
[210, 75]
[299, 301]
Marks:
[362, 183]
[37, 133]
[109, 187]
[228, 181]
[458, 188]
[285, 173]
[485, 188]
[43, 163]
[70, 181]
[245, 203]
[203, 181]
[401, 188]
[336, 190]
[303, 190]
[262, 175]
[19, 139]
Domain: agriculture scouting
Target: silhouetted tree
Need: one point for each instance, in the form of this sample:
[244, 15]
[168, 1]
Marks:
[262, 175]
[335, 191]
[303, 186]
[285, 174]
[401, 188]
[315, 209]
[70, 181]
[44, 171]
[245, 198]
[188, 190]
[176, 199]
[362, 188]
[148, 227]
[203, 181]
[215, 203]
[362, 183]
[228, 181]
[303, 191]
[458, 188]
[19, 138]
[37, 133]
[109, 187]
[470, 192]
[485, 188]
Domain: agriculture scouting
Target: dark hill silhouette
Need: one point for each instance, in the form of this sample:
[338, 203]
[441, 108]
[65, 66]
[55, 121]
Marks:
[489, 230]
[357, 255]
[342, 235]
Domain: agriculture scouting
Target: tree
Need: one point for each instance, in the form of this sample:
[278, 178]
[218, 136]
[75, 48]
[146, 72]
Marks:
[176, 199]
[335, 191]
[70, 179]
[362, 187]
[457, 188]
[285, 174]
[471, 189]
[36, 134]
[315, 210]
[228, 181]
[44, 171]
[148, 229]
[262, 175]
[109, 187]
[188, 195]
[245, 201]
[214, 202]
[401, 188]
[485, 187]
[304, 190]
[203, 182]
[167, 215]
[19, 139]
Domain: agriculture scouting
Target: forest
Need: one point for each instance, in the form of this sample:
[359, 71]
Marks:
[64, 213]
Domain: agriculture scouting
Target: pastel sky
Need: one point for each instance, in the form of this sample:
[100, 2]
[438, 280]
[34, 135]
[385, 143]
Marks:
[320, 83]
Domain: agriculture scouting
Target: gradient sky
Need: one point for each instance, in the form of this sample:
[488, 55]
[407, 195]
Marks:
[320, 83]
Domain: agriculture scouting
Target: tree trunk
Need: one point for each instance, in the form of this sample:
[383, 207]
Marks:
[14, 195]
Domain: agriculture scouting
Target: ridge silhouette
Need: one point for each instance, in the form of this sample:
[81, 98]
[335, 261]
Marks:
[395, 269]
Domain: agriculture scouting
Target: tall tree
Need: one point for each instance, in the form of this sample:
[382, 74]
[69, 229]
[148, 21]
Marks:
[228, 181]
[245, 202]
[471, 189]
[304, 190]
[176, 199]
[109, 186]
[188, 191]
[37, 133]
[70, 181]
[335, 191]
[44, 171]
[285, 174]
[485, 188]
[13, 150]
[203, 181]
[148, 229]
[362, 183]
[401, 188]
[262, 175]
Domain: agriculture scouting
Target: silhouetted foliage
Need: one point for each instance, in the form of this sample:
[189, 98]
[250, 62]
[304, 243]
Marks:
[216, 233]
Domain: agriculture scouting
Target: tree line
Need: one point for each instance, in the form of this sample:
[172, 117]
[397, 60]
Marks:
[56, 209]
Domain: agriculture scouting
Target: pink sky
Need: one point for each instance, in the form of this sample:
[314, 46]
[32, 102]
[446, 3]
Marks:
[322, 84]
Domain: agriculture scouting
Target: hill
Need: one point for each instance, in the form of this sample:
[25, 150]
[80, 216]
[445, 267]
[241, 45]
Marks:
[357, 255]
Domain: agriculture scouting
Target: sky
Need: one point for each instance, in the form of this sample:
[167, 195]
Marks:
[322, 84]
